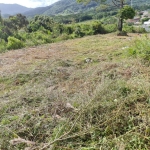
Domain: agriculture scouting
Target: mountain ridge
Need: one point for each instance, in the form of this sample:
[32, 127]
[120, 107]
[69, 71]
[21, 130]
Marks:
[12, 9]
[61, 7]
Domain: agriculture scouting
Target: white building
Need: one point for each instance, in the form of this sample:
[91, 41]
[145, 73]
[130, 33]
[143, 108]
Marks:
[146, 25]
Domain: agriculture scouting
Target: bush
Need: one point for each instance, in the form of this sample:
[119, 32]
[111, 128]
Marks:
[63, 36]
[14, 43]
[68, 30]
[141, 49]
[20, 36]
[133, 29]
[78, 32]
[128, 29]
[2, 45]
[97, 28]
[109, 28]
[87, 29]
[139, 30]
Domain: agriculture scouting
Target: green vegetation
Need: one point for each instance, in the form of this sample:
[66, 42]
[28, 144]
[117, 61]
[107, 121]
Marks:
[125, 11]
[17, 32]
[51, 97]
[70, 7]
[43, 29]
[141, 49]
[90, 92]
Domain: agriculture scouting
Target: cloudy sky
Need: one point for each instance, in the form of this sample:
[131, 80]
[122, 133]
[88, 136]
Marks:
[30, 3]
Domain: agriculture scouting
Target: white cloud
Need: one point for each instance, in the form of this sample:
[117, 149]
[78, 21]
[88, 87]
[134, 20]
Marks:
[30, 3]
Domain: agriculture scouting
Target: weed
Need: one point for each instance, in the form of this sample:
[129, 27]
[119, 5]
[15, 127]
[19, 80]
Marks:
[140, 49]
[60, 102]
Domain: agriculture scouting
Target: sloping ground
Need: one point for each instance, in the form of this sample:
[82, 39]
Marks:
[53, 97]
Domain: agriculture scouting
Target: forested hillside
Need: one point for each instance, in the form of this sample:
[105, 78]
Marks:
[62, 7]
[65, 7]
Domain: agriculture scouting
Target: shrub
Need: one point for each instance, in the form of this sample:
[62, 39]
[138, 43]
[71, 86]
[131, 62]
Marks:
[139, 30]
[87, 29]
[68, 29]
[63, 36]
[2, 45]
[14, 43]
[133, 29]
[78, 32]
[141, 49]
[128, 29]
[109, 28]
[97, 27]
[20, 36]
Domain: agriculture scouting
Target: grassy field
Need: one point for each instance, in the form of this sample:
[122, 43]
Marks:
[81, 94]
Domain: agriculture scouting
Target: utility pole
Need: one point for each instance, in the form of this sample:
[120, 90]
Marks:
[1, 19]
[131, 3]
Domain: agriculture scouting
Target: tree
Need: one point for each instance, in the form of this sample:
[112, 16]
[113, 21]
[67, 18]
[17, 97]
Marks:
[125, 11]
[1, 19]
[41, 21]
[19, 21]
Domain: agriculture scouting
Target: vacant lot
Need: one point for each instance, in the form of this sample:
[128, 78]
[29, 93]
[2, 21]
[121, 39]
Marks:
[84, 94]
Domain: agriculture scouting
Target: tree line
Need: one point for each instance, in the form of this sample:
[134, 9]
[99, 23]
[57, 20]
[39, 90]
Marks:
[17, 31]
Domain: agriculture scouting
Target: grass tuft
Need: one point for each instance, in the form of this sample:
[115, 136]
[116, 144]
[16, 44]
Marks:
[53, 99]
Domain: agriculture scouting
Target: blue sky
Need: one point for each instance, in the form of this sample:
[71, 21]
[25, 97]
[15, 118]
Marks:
[30, 3]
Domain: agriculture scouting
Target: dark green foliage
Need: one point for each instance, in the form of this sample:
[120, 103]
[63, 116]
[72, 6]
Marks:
[5, 32]
[68, 29]
[78, 32]
[40, 21]
[127, 12]
[145, 19]
[2, 45]
[1, 19]
[10, 26]
[19, 21]
[97, 28]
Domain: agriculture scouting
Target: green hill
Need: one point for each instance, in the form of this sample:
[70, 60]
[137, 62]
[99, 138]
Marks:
[65, 7]
[62, 7]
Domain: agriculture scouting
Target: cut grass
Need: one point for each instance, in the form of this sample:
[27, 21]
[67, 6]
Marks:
[109, 97]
